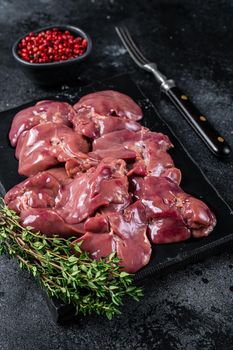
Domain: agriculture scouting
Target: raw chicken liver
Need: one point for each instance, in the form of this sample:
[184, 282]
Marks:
[110, 102]
[46, 145]
[172, 214]
[103, 187]
[42, 112]
[99, 176]
[92, 125]
[35, 199]
[148, 149]
[127, 236]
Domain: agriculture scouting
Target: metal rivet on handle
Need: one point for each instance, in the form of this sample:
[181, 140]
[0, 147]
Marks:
[202, 118]
[184, 97]
[221, 139]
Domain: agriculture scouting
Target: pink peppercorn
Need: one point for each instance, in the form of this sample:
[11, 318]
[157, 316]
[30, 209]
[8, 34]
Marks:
[52, 45]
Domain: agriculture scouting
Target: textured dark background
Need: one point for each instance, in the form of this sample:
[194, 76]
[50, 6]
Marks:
[192, 42]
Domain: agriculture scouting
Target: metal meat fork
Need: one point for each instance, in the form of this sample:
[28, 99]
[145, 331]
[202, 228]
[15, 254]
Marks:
[214, 141]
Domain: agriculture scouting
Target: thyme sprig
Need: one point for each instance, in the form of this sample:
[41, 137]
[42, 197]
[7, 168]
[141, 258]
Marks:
[67, 274]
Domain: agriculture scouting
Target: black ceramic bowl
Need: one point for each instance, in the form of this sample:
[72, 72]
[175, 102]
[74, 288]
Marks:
[55, 72]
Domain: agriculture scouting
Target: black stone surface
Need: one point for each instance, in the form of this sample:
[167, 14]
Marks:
[192, 42]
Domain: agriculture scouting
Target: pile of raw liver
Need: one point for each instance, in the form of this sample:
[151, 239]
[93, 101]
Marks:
[96, 174]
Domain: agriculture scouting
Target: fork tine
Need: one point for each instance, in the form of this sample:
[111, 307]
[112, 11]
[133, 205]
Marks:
[136, 48]
[130, 46]
[131, 49]
[127, 45]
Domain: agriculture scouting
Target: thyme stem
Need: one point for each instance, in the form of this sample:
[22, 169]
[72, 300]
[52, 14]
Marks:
[91, 286]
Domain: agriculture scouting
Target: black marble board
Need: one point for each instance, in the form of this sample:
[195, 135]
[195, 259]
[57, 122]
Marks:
[164, 257]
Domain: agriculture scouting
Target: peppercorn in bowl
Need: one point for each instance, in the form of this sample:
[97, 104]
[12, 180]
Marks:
[53, 55]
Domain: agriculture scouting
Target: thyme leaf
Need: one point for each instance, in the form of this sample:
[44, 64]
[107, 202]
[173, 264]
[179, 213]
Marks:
[66, 273]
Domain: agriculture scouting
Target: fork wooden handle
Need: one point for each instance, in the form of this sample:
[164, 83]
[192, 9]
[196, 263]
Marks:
[199, 122]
